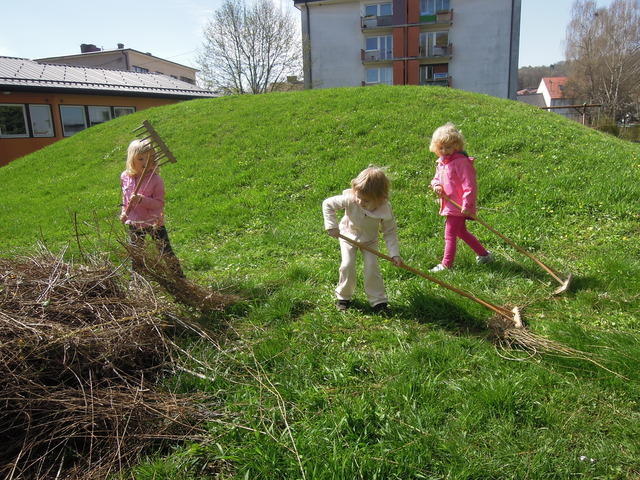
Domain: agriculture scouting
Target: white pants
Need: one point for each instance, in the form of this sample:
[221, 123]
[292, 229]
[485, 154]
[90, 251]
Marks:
[373, 284]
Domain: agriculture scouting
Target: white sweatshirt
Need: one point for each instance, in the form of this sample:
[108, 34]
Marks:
[359, 224]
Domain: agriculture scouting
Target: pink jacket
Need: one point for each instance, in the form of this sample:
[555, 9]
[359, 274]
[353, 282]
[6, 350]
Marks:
[148, 211]
[456, 175]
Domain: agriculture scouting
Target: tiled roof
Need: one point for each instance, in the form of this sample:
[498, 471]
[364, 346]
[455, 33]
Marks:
[555, 86]
[28, 74]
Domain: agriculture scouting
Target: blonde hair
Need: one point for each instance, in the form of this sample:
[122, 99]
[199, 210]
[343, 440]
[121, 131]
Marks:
[372, 183]
[137, 148]
[446, 140]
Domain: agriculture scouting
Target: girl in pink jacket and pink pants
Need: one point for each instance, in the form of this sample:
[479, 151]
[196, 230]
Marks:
[456, 178]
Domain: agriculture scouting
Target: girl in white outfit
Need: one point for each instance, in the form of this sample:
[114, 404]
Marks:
[367, 212]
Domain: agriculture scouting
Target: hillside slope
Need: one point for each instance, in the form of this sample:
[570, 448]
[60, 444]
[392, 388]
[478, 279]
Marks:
[243, 211]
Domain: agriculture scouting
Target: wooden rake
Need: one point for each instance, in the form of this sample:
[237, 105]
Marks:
[564, 284]
[161, 153]
[512, 315]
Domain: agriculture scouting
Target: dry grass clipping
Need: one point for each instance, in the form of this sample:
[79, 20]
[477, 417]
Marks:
[79, 362]
[159, 269]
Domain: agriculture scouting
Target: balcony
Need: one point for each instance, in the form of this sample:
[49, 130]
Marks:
[373, 21]
[434, 51]
[441, 81]
[441, 17]
[375, 55]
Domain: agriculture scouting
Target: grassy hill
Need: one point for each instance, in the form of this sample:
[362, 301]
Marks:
[308, 392]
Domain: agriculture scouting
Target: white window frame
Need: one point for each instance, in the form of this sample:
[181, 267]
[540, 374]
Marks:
[378, 8]
[436, 5]
[84, 117]
[429, 42]
[32, 107]
[108, 108]
[386, 53]
[130, 111]
[378, 80]
[24, 116]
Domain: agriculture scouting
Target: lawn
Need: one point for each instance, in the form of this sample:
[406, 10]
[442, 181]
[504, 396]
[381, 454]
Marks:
[308, 392]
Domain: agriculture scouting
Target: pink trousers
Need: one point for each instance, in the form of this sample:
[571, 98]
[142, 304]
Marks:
[454, 228]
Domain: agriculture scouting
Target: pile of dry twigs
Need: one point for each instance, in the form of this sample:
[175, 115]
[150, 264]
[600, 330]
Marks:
[80, 360]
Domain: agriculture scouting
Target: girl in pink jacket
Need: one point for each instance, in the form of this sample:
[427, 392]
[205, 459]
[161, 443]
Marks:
[456, 178]
[143, 211]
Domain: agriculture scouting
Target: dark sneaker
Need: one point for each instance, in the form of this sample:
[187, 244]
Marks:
[343, 305]
[381, 308]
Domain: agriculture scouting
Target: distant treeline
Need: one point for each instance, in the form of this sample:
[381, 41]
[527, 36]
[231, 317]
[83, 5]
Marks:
[529, 77]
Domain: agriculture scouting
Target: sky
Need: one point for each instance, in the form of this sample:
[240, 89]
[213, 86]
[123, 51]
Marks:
[172, 29]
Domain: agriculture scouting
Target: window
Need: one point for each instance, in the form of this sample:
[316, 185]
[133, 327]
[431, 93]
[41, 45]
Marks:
[379, 48]
[41, 123]
[121, 111]
[99, 115]
[378, 10]
[188, 80]
[434, 44]
[380, 75]
[73, 119]
[13, 121]
[431, 7]
[135, 68]
[434, 74]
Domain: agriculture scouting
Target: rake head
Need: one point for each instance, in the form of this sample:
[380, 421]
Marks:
[565, 285]
[162, 153]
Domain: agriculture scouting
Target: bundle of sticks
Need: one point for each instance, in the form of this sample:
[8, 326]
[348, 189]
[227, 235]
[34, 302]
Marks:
[80, 362]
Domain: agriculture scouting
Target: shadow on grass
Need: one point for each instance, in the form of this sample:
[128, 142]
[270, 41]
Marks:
[424, 308]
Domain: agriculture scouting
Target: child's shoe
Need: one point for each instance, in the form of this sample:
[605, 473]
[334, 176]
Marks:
[343, 305]
[484, 259]
[381, 308]
[438, 268]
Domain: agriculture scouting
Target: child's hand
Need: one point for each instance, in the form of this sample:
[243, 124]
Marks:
[397, 261]
[137, 197]
[438, 189]
[334, 232]
[123, 217]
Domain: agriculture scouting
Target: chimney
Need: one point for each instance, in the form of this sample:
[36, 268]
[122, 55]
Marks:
[88, 47]
[120, 46]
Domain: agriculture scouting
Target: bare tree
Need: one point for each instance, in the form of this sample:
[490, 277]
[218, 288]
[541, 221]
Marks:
[249, 47]
[603, 52]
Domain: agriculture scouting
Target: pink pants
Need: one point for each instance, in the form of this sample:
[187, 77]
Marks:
[454, 228]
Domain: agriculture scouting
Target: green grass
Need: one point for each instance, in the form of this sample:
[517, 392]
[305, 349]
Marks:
[423, 394]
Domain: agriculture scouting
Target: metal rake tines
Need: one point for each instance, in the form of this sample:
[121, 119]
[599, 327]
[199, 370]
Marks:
[162, 152]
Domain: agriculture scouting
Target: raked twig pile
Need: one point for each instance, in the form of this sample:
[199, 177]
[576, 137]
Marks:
[80, 359]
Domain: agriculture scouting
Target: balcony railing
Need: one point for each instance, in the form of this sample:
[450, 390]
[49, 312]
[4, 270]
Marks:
[440, 82]
[375, 55]
[442, 16]
[373, 21]
[435, 51]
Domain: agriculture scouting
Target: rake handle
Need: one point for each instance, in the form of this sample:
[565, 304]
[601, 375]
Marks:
[490, 306]
[509, 241]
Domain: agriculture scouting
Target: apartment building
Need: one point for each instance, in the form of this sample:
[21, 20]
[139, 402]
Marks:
[466, 44]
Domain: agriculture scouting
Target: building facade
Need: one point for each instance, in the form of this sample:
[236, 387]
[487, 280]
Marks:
[464, 44]
[126, 59]
[41, 103]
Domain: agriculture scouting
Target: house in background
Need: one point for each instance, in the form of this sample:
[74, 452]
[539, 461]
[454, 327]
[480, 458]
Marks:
[42, 103]
[126, 59]
[531, 96]
[412, 42]
[553, 91]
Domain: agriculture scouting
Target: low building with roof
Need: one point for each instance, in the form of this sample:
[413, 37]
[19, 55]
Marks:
[554, 93]
[127, 59]
[42, 103]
